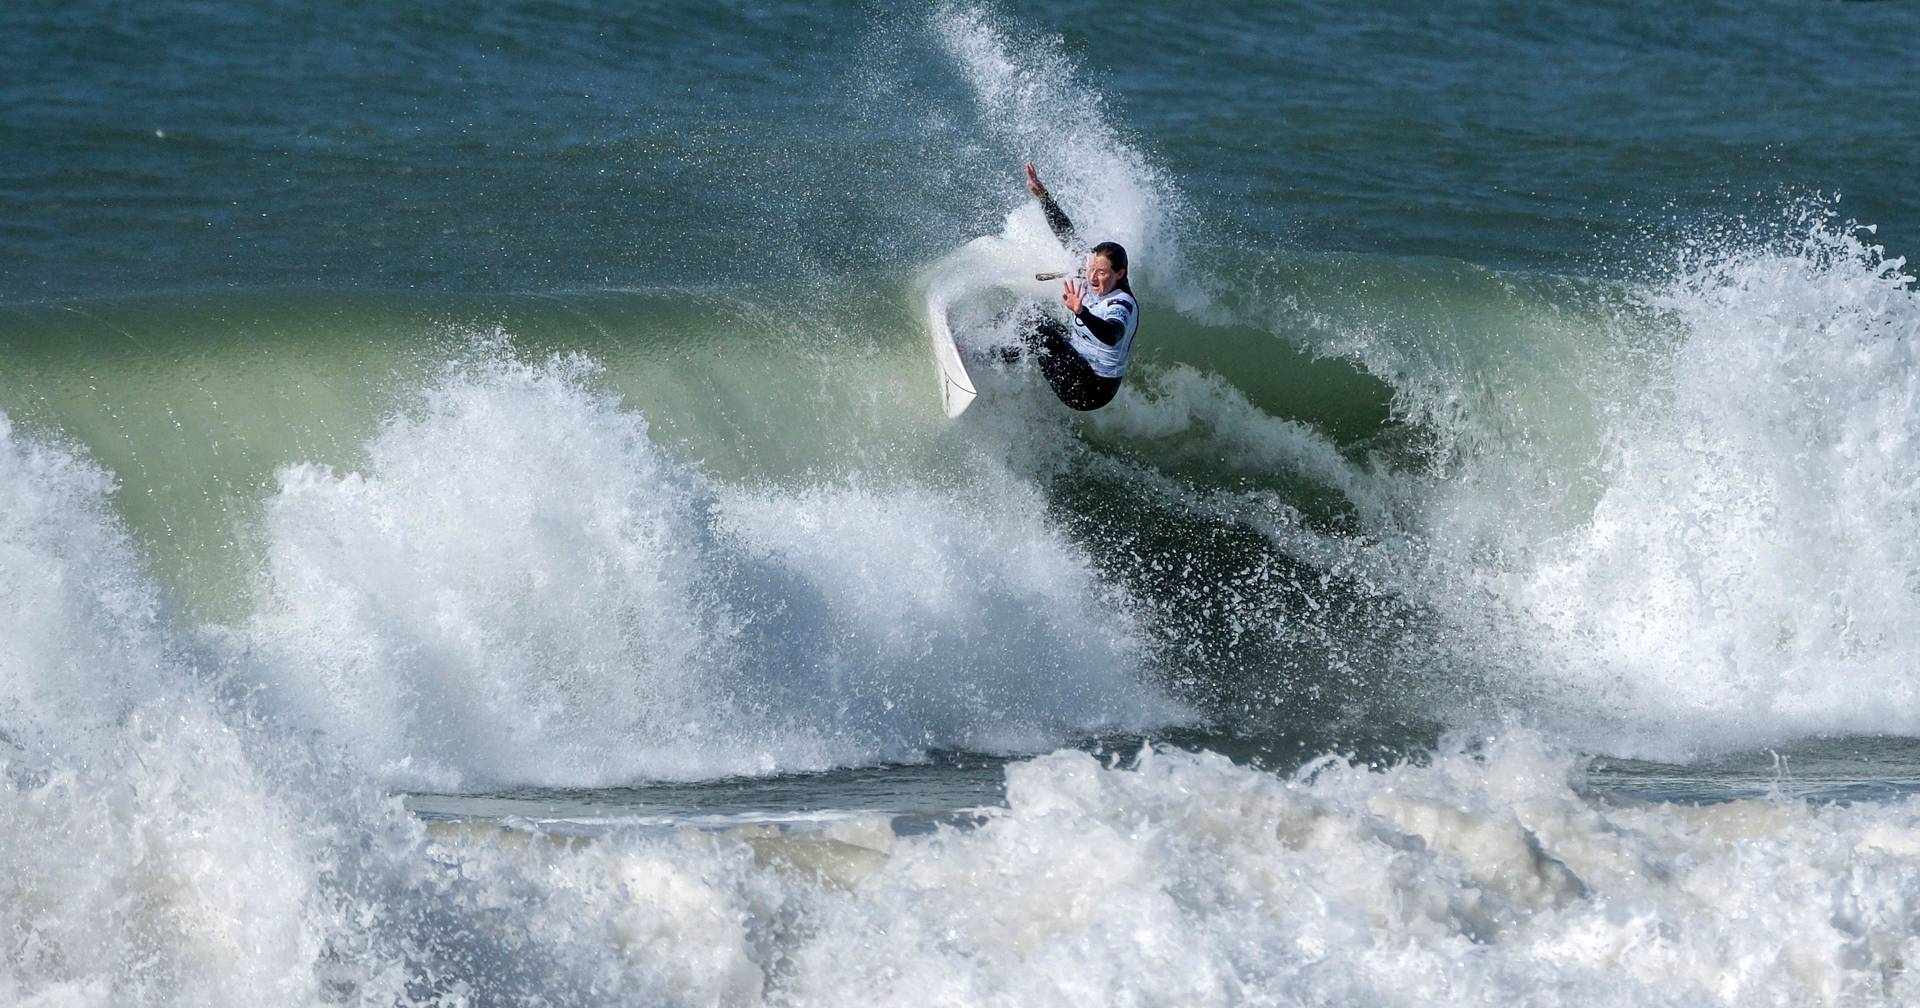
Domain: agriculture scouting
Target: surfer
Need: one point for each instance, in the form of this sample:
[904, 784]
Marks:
[1085, 360]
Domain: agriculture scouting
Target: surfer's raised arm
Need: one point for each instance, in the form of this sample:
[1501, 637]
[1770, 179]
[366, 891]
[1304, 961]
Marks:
[1056, 217]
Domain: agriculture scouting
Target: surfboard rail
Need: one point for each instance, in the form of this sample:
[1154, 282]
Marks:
[957, 390]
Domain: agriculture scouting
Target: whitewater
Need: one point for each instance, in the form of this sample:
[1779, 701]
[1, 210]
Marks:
[1425, 624]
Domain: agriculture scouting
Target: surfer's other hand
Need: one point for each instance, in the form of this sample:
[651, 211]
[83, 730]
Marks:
[1073, 296]
[1033, 182]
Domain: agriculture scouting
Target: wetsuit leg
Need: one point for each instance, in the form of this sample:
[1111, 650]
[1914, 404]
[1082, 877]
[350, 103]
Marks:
[1066, 371]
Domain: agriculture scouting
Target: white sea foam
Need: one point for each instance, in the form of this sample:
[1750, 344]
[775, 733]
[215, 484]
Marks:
[74, 608]
[1478, 879]
[521, 587]
[156, 847]
[183, 853]
[1748, 569]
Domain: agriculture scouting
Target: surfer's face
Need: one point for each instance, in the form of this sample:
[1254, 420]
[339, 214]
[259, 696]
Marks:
[1101, 277]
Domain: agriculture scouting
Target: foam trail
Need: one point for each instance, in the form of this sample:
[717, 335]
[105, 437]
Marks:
[1223, 426]
[522, 587]
[1025, 91]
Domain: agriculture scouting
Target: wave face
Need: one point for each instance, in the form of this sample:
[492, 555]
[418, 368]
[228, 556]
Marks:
[1659, 518]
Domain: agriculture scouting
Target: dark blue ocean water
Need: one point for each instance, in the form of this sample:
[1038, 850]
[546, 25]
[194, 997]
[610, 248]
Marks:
[512, 147]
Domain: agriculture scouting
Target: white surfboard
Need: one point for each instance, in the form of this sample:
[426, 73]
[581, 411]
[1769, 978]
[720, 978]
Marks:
[956, 386]
[1013, 261]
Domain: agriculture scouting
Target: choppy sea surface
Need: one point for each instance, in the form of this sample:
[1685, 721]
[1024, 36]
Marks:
[477, 525]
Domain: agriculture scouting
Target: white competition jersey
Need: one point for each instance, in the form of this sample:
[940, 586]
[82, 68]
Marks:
[1106, 361]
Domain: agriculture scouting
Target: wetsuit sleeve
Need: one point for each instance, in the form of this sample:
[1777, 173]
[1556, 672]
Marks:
[1058, 221]
[1108, 328]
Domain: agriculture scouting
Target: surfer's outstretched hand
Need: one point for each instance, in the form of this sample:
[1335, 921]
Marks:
[1072, 293]
[1033, 182]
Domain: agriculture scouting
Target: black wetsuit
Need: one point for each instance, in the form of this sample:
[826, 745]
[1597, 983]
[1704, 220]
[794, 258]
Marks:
[1072, 378]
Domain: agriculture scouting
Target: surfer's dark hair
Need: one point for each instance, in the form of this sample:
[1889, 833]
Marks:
[1117, 257]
